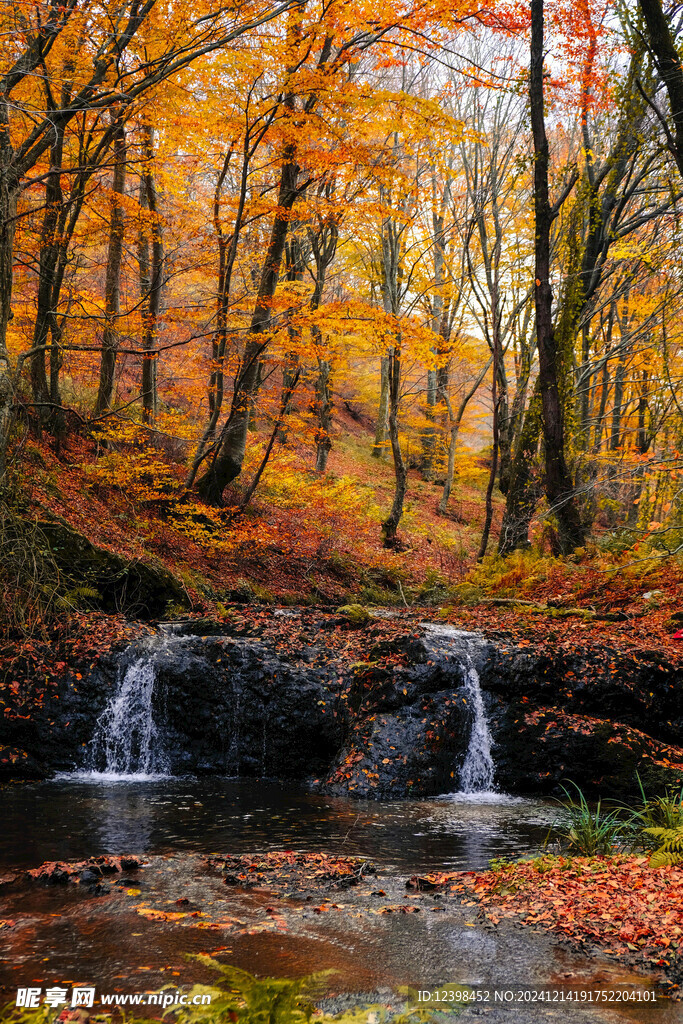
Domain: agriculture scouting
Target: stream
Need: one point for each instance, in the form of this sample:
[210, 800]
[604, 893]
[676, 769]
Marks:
[123, 801]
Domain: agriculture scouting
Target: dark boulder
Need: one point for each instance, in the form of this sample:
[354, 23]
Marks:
[397, 724]
[538, 750]
[144, 589]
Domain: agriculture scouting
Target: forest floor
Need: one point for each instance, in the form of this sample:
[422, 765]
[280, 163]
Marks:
[312, 540]
[316, 541]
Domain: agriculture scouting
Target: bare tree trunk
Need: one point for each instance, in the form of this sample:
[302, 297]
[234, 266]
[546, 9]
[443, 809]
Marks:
[112, 286]
[46, 267]
[496, 354]
[379, 447]
[390, 524]
[8, 209]
[429, 432]
[156, 281]
[525, 489]
[295, 265]
[323, 243]
[231, 447]
[615, 430]
[558, 483]
[659, 27]
[515, 420]
[323, 401]
[227, 253]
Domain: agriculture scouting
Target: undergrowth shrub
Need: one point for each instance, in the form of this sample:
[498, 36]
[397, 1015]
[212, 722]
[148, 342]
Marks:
[33, 590]
[658, 824]
[133, 461]
[590, 831]
[669, 846]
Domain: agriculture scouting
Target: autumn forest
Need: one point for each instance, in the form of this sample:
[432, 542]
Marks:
[341, 506]
[228, 233]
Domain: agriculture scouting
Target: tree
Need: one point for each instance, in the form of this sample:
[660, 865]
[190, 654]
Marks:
[68, 41]
[660, 37]
[558, 483]
[112, 287]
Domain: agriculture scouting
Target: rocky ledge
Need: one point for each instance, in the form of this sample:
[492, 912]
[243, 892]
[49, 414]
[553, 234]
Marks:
[373, 710]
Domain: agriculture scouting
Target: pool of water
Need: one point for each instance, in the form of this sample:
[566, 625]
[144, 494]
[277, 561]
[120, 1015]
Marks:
[75, 817]
[65, 935]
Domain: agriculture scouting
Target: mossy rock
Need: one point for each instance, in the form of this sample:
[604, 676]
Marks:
[355, 614]
[145, 589]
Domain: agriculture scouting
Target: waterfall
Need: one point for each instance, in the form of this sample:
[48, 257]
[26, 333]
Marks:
[478, 769]
[126, 742]
[476, 775]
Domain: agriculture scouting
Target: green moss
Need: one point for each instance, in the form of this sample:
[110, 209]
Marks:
[466, 594]
[355, 614]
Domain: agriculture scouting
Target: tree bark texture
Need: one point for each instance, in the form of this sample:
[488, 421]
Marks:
[558, 483]
[152, 306]
[668, 61]
[112, 286]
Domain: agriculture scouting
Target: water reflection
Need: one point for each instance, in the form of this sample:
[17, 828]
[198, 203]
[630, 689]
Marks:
[72, 818]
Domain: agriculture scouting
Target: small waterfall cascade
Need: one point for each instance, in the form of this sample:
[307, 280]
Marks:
[476, 775]
[478, 769]
[126, 742]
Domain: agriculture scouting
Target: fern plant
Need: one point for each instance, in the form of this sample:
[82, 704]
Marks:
[77, 597]
[669, 846]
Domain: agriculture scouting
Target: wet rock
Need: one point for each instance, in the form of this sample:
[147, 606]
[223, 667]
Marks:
[85, 871]
[18, 763]
[416, 751]
[396, 724]
[89, 877]
[542, 748]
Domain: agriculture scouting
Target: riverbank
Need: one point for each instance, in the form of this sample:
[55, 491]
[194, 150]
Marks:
[288, 914]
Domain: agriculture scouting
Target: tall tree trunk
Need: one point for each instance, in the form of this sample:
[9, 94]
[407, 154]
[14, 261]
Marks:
[496, 354]
[112, 286]
[515, 421]
[323, 242]
[429, 432]
[379, 447]
[231, 447]
[390, 524]
[524, 490]
[295, 266]
[8, 209]
[323, 401]
[435, 382]
[558, 482]
[661, 42]
[615, 430]
[49, 247]
[505, 431]
[156, 281]
[227, 253]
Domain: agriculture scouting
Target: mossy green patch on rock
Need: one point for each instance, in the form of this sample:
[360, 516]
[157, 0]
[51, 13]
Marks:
[144, 589]
[355, 614]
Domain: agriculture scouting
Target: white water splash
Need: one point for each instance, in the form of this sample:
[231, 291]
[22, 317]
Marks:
[476, 774]
[126, 743]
